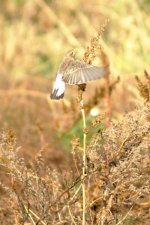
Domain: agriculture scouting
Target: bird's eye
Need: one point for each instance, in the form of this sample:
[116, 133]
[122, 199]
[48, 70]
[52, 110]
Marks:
[73, 53]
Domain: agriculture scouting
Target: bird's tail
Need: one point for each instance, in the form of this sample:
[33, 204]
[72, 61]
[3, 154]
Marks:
[59, 88]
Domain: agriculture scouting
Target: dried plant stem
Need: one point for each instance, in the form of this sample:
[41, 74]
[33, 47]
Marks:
[75, 162]
[108, 113]
[14, 203]
[35, 215]
[108, 103]
[29, 211]
[120, 222]
[70, 213]
[78, 189]
[84, 162]
[29, 215]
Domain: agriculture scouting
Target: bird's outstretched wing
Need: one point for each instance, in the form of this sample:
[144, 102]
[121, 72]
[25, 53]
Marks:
[81, 72]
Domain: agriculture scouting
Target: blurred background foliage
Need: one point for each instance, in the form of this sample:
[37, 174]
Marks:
[35, 34]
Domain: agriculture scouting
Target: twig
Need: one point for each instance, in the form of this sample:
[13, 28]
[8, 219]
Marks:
[29, 215]
[125, 216]
[78, 189]
[84, 158]
[108, 102]
[71, 216]
[37, 217]
[75, 162]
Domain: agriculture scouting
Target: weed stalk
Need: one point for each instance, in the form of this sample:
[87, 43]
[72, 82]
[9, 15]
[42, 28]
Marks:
[84, 165]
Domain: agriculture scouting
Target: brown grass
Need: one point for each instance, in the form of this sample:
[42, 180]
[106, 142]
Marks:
[117, 192]
[105, 177]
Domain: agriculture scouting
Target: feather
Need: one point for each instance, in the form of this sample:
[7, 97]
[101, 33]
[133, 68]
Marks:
[81, 72]
[59, 88]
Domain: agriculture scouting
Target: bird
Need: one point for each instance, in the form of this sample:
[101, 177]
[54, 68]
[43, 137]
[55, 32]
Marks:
[74, 72]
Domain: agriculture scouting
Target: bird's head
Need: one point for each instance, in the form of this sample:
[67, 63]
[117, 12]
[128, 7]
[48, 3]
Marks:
[71, 53]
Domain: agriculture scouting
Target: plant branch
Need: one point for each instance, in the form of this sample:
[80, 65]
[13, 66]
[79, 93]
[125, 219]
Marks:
[84, 166]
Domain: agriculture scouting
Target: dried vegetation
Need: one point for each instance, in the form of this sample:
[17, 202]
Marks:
[117, 181]
[117, 177]
[41, 181]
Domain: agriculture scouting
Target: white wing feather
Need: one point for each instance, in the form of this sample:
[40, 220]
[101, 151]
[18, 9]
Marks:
[59, 88]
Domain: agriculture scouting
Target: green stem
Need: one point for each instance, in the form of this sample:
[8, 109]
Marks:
[84, 163]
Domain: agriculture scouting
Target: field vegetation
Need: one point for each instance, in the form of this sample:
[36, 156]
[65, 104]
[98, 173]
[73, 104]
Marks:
[84, 159]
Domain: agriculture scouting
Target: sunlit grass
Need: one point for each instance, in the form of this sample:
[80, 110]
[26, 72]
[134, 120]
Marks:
[35, 34]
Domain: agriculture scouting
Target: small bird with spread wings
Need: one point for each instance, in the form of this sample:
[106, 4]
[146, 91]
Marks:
[75, 72]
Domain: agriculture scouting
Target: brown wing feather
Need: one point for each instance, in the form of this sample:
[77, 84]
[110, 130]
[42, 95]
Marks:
[80, 73]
